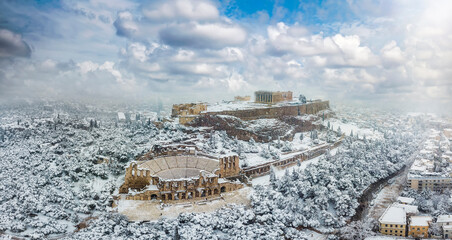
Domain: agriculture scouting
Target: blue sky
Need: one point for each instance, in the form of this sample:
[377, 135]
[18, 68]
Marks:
[305, 12]
[372, 51]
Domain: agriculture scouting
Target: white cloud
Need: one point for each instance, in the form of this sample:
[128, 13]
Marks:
[184, 56]
[399, 52]
[140, 51]
[203, 35]
[236, 82]
[352, 53]
[49, 78]
[181, 23]
[163, 11]
[337, 50]
[392, 55]
[87, 66]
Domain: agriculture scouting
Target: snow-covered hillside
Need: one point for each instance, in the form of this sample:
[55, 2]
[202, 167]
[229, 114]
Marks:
[53, 185]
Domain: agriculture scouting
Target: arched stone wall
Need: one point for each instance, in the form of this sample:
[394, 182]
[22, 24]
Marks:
[144, 176]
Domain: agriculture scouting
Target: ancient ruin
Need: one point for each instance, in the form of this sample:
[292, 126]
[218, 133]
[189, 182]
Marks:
[187, 112]
[272, 97]
[242, 98]
[267, 104]
[180, 175]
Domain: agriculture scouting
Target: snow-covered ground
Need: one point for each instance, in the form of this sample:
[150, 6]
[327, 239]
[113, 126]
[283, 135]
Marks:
[232, 106]
[279, 172]
[311, 235]
[348, 127]
[243, 105]
[153, 210]
[296, 145]
[51, 181]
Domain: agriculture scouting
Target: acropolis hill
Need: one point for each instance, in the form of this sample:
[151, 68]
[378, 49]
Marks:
[186, 173]
[266, 105]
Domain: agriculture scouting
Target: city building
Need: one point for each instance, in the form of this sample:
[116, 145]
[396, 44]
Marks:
[180, 175]
[447, 231]
[272, 97]
[448, 133]
[405, 200]
[444, 220]
[121, 117]
[410, 210]
[393, 222]
[428, 172]
[431, 182]
[419, 226]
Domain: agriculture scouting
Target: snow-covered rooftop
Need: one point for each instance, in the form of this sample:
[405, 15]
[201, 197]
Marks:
[406, 200]
[121, 116]
[393, 215]
[422, 165]
[420, 220]
[410, 209]
[444, 218]
[447, 227]
[384, 238]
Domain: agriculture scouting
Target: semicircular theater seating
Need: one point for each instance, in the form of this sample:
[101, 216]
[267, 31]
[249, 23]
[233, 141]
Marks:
[176, 167]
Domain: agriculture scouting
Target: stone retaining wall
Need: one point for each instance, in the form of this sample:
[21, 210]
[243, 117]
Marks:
[264, 169]
[275, 112]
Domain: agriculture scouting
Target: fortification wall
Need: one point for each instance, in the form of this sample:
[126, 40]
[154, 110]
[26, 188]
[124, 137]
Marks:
[242, 98]
[188, 109]
[229, 166]
[274, 112]
[264, 169]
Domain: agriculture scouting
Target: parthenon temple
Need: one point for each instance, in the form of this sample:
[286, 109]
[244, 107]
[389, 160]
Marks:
[272, 97]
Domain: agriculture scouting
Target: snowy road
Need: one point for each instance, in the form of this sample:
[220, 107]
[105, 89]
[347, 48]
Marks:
[383, 194]
[387, 195]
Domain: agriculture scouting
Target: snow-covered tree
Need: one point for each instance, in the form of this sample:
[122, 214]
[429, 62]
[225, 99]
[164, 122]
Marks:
[272, 177]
